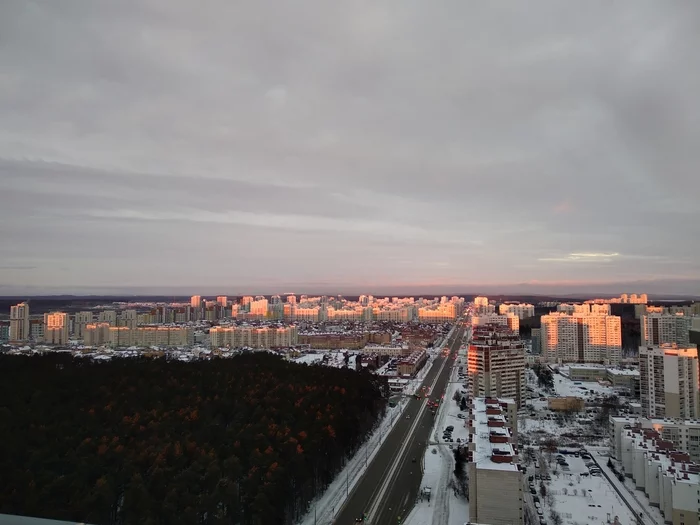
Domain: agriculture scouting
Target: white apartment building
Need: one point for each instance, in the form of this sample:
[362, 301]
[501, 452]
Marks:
[253, 336]
[668, 477]
[81, 320]
[659, 329]
[668, 379]
[108, 316]
[56, 328]
[510, 320]
[128, 318]
[496, 366]
[495, 481]
[581, 338]
[523, 311]
[19, 322]
[683, 433]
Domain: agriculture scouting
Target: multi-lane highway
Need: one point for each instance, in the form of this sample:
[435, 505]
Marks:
[391, 483]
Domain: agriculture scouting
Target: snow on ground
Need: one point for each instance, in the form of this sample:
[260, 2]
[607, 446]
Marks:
[308, 359]
[444, 507]
[583, 499]
[566, 387]
[636, 498]
[329, 504]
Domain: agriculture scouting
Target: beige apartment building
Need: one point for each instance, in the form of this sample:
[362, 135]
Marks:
[495, 481]
[56, 328]
[669, 381]
[167, 336]
[95, 334]
[683, 433]
[253, 336]
[19, 322]
[496, 364]
[667, 476]
[581, 338]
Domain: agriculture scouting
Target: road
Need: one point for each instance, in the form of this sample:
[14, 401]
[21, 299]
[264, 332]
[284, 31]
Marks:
[391, 483]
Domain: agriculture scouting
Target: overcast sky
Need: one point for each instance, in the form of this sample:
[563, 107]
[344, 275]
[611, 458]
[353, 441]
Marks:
[278, 144]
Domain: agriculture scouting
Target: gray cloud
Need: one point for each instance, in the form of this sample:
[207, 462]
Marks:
[158, 143]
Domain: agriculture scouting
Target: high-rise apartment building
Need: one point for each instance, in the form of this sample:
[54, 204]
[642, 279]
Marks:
[523, 311]
[581, 338]
[259, 307]
[19, 322]
[96, 334]
[107, 316]
[668, 376]
[659, 329]
[222, 300]
[496, 364]
[81, 320]
[197, 307]
[510, 320]
[56, 328]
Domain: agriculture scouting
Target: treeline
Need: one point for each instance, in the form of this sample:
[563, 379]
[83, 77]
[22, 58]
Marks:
[249, 440]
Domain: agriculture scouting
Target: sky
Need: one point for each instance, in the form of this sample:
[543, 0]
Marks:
[279, 145]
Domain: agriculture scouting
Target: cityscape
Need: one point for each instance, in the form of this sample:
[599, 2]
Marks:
[334, 263]
[497, 411]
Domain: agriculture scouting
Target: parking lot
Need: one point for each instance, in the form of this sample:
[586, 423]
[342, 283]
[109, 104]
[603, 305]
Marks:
[568, 485]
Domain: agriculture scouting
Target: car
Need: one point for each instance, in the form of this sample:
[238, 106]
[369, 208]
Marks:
[450, 428]
[408, 417]
[413, 460]
[532, 490]
[461, 416]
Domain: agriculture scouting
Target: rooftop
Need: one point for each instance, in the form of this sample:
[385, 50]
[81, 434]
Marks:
[491, 440]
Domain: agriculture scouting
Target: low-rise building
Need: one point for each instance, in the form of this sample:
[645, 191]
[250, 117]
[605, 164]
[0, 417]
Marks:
[616, 376]
[668, 477]
[684, 434]
[565, 404]
[495, 480]
[410, 365]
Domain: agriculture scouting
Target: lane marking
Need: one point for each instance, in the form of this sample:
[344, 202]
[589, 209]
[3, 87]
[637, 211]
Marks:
[377, 505]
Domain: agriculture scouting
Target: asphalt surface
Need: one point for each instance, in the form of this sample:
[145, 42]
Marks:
[403, 487]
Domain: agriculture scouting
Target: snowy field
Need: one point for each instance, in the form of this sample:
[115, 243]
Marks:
[579, 498]
[636, 498]
[444, 507]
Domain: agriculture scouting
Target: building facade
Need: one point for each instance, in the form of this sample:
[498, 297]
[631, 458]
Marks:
[581, 338]
[659, 329]
[19, 322]
[496, 364]
[669, 381]
[56, 328]
[495, 481]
